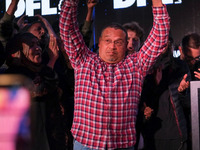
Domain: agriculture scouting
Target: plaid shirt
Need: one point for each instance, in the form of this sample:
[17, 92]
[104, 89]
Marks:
[107, 95]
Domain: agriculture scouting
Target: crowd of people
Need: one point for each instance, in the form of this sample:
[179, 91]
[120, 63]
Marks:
[129, 89]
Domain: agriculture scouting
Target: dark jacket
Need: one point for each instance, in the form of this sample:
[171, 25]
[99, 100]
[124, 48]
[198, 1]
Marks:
[47, 131]
[173, 72]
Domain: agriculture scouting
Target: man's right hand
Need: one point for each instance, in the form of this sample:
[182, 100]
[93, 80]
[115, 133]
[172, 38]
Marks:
[12, 7]
[183, 84]
[92, 3]
[157, 3]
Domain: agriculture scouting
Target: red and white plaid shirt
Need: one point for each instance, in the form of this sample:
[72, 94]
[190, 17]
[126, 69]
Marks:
[107, 95]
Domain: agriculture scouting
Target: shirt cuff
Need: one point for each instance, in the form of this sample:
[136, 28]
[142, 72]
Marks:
[160, 11]
[71, 2]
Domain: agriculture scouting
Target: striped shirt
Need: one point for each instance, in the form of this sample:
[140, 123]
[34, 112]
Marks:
[107, 95]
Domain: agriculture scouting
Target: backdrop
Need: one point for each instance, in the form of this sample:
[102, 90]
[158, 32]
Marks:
[185, 14]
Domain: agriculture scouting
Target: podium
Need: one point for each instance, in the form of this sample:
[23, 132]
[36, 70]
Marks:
[194, 97]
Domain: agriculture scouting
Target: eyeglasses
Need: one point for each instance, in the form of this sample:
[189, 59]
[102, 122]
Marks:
[117, 42]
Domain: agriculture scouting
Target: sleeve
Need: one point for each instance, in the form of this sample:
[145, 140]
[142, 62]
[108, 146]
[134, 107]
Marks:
[87, 32]
[86, 27]
[185, 95]
[69, 30]
[7, 17]
[156, 41]
[6, 20]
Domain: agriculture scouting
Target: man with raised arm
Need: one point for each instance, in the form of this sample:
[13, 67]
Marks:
[108, 85]
[7, 29]
[6, 23]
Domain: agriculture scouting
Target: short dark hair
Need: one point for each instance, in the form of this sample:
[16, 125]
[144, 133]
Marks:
[15, 43]
[134, 26]
[116, 26]
[27, 27]
[191, 40]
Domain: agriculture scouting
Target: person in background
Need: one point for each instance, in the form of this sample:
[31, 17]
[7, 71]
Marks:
[7, 26]
[135, 36]
[190, 52]
[135, 40]
[164, 123]
[25, 57]
[7, 29]
[85, 29]
[108, 84]
[42, 29]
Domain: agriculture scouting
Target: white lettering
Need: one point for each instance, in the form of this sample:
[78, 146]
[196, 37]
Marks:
[21, 7]
[123, 3]
[46, 10]
[119, 4]
[141, 3]
[178, 2]
[167, 1]
[59, 5]
[29, 6]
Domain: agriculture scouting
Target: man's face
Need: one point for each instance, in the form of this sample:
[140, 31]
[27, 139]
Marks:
[32, 50]
[191, 57]
[112, 45]
[133, 42]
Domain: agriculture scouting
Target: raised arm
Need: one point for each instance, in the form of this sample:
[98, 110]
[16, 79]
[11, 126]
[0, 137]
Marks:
[6, 22]
[90, 5]
[53, 51]
[157, 3]
[12, 7]
[70, 34]
[86, 30]
[157, 39]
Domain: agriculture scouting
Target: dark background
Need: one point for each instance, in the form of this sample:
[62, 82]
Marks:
[185, 17]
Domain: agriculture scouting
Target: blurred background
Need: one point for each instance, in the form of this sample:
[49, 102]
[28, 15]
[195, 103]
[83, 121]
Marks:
[185, 14]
